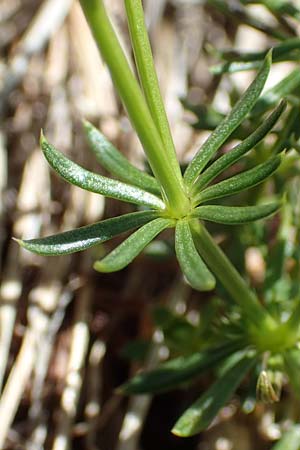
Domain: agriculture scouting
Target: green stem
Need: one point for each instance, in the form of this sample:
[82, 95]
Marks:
[138, 112]
[230, 278]
[148, 77]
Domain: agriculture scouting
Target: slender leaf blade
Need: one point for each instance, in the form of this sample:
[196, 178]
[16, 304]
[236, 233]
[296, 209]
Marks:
[85, 237]
[235, 215]
[229, 124]
[272, 96]
[77, 175]
[198, 416]
[121, 256]
[179, 370]
[191, 263]
[240, 150]
[240, 182]
[113, 161]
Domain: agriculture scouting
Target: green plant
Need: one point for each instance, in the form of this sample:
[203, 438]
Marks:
[169, 200]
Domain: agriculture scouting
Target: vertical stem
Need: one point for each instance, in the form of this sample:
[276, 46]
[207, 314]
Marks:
[138, 112]
[148, 77]
[230, 278]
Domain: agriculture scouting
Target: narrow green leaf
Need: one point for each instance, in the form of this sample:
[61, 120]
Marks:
[240, 14]
[148, 78]
[279, 50]
[179, 370]
[233, 67]
[113, 161]
[191, 263]
[290, 440]
[235, 215]
[198, 416]
[237, 61]
[272, 96]
[229, 124]
[88, 236]
[280, 7]
[121, 256]
[240, 150]
[237, 183]
[77, 175]
[289, 125]
[292, 366]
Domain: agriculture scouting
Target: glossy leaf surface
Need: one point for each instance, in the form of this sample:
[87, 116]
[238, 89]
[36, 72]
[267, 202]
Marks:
[234, 215]
[198, 416]
[229, 124]
[237, 183]
[88, 236]
[113, 161]
[191, 263]
[121, 256]
[77, 175]
[179, 370]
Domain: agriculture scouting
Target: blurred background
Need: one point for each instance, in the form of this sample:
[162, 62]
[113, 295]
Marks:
[70, 336]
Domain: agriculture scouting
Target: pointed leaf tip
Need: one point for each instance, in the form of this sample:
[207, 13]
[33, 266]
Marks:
[18, 241]
[85, 237]
[86, 124]
[43, 140]
[269, 56]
